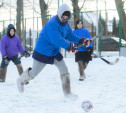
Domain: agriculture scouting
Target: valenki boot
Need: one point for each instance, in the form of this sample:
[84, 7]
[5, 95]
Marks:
[23, 79]
[65, 79]
[82, 66]
[3, 72]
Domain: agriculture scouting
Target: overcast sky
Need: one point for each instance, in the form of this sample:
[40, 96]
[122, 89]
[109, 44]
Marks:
[89, 6]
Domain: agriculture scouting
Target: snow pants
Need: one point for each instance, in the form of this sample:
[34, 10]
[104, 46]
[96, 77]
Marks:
[38, 66]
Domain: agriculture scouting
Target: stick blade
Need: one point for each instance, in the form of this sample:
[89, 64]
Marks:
[112, 63]
[117, 59]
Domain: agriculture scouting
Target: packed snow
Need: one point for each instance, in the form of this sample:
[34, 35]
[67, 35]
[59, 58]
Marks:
[105, 87]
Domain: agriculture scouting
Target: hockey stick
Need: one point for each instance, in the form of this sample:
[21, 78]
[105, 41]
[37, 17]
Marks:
[24, 56]
[110, 63]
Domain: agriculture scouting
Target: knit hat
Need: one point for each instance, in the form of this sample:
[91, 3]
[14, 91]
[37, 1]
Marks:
[79, 22]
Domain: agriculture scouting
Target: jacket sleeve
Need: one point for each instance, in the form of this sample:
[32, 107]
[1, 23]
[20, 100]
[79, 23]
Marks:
[3, 47]
[20, 47]
[72, 37]
[55, 38]
[88, 35]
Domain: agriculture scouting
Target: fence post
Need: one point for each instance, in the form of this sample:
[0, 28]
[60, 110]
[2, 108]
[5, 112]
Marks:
[37, 27]
[25, 33]
[120, 28]
[14, 22]
[99, 31]
[82, 16]
[3, 28]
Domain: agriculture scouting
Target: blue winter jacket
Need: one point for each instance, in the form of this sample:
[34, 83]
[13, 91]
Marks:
[83, 33]
[54, 36]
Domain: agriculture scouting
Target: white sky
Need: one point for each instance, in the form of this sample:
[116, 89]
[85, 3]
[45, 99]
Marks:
[89, 6]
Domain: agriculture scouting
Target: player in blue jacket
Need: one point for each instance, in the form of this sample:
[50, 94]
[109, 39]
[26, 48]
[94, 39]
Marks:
[83, 55]
[52, 37]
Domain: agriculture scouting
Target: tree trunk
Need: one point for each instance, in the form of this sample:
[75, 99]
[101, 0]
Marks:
[23, 28]
[1, 4]
[114, 27]
[43, 8]
[19, 17]
[76, 10]
[119, 6]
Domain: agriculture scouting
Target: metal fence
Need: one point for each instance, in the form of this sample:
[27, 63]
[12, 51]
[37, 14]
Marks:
[33, 26]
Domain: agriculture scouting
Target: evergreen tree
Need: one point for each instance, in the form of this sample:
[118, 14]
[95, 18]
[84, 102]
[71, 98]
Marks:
[103, 23]
[114, 29]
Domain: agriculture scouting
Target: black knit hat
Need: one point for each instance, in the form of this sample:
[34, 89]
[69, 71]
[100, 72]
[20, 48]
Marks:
[66, 13]
[79, 21]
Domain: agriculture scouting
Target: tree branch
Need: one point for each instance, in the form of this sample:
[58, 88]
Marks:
[82, 5]
[2, 3]
[49, 2]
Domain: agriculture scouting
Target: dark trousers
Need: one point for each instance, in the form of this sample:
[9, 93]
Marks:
[3, 68]
[14, 59]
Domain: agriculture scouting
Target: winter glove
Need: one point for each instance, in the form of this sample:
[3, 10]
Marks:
[90, 50]
[6, 60]
[26, 54]
[85, 42]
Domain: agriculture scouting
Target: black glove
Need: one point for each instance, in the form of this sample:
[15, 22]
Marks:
[6, 60]
[26, 54]
[81, 41]
[85, 41]
[90, 50]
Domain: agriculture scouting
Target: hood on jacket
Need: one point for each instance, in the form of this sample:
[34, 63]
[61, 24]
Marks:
[62, 9]
[10, 26]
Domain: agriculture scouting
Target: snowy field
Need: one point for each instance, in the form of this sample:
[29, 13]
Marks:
[105, 87]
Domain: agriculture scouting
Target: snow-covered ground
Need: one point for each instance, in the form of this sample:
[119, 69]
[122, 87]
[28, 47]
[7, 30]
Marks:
[105, 87]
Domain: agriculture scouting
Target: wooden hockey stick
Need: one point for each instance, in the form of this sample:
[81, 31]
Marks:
[110, 63]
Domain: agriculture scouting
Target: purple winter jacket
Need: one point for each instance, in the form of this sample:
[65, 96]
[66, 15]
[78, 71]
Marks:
[11, 46]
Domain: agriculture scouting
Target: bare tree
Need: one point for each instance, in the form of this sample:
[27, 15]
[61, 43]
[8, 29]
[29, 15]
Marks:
[43, 8]
[1, 3]
[76, 9]
[122, 15]
[19, 17]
